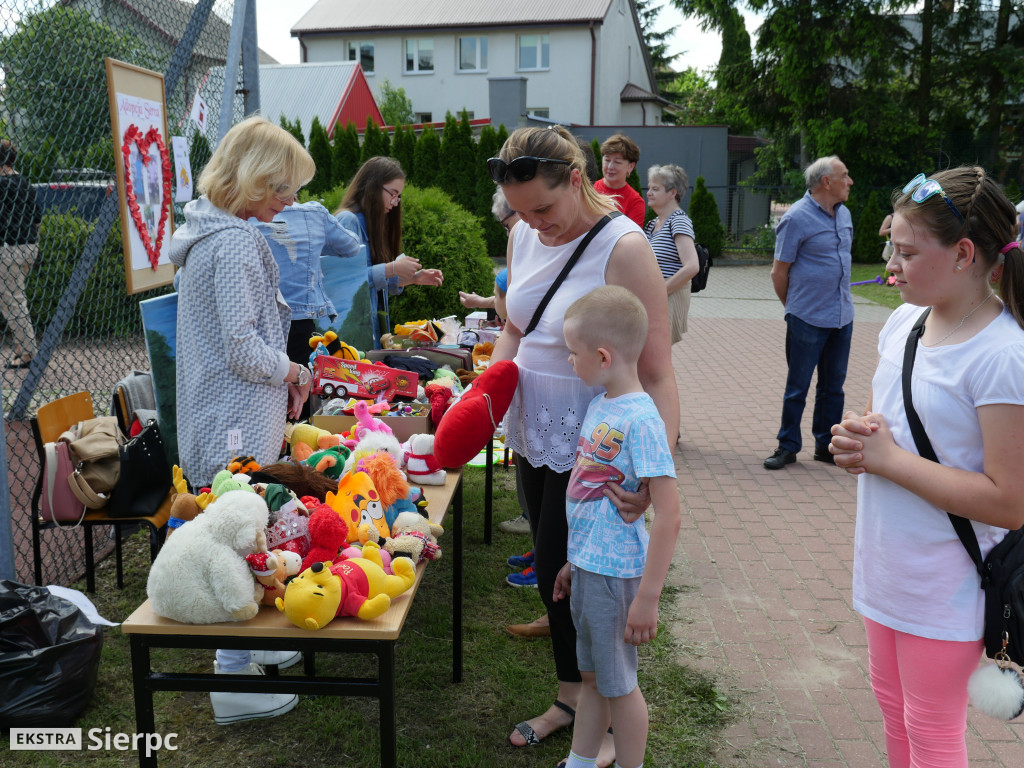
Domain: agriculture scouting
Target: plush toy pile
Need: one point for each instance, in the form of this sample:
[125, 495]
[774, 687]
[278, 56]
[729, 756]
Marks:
[344, 518]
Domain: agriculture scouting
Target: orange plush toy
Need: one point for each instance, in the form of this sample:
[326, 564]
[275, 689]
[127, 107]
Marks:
[358, 505]
[388, 480]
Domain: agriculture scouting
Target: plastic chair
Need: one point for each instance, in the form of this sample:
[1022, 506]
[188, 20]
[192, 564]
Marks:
[50, 421]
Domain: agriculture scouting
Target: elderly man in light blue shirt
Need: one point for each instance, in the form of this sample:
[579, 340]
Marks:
[811, 277]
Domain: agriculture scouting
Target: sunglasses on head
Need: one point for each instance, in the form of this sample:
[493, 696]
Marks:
[521, 169]
[923, 188]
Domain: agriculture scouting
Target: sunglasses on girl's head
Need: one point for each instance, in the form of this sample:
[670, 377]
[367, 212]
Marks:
[521, 169]
[923, 188]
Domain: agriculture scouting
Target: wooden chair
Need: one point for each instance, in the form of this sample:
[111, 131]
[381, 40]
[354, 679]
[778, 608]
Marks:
[50, 421]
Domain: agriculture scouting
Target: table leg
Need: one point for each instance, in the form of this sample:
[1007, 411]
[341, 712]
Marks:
[388, 721]
[488, 490]
[145, 721]
[457, 587]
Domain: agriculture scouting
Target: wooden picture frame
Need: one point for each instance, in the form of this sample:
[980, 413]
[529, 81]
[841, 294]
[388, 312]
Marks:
[138, 120]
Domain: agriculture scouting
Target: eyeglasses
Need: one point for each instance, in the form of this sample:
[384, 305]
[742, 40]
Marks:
[521, 169]
[396, 197]
[287, 199]
[505, 224]
[923, 188]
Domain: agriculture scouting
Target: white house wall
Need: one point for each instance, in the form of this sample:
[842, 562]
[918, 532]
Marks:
[563, 89]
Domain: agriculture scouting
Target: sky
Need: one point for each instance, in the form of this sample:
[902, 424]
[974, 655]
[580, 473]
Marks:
[275, 18]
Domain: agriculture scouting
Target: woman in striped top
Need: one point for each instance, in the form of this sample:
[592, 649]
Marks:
[671, 236]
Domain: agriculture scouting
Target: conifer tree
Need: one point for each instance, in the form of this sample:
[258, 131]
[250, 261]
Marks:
[494, 233]
[426, 158]
[320, 151]
[346, 153]
[373, 141]
[707, 224]
[403, 148]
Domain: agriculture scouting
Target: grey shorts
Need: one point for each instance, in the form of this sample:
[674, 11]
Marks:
[600, 608]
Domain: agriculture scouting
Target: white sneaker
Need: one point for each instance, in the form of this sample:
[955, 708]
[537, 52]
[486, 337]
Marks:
[238, 707]
[519, 525]
[280, 659]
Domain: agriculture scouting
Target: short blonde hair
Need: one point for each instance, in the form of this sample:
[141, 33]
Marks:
[610, 316]
[256, 160]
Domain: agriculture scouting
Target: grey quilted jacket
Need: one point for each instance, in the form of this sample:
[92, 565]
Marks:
[232, 332]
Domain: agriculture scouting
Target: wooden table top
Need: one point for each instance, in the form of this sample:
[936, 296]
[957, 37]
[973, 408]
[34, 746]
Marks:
[272, 623]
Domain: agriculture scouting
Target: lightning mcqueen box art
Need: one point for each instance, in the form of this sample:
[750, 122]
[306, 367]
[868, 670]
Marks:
[334, 377]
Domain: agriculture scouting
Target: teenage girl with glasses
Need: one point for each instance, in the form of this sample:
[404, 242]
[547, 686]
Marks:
[953, 234]
[371, 209]
[543, 175]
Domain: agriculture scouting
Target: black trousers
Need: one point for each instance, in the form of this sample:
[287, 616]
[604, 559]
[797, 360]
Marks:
[298, 350]
[542, 492]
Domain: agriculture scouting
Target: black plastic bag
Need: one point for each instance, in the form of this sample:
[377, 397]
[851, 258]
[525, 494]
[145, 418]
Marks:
[49, 658]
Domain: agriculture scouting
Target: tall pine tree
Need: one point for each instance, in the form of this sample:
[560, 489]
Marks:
[346, 153]
[320, 151]
[426, 158]
[403, 148]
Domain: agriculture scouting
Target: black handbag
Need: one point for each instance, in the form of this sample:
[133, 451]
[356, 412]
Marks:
[1002, 572]
[145, 475]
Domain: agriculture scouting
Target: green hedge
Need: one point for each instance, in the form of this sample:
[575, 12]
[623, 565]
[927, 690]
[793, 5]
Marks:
[104, 308]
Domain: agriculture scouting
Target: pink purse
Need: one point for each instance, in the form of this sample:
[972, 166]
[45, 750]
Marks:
[58, 503]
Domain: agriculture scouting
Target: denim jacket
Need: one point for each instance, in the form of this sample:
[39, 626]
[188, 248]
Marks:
[297, 237]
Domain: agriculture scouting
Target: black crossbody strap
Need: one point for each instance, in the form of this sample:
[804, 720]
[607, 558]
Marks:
[961, 525]
[568, 268]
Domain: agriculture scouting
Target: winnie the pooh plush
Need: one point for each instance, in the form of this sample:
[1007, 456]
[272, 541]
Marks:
[357, 587]
[200, 575]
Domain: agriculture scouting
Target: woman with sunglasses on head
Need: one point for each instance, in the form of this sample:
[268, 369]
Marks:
[371, 209]
[913, 581]
[671, 236]
[233, 371]
[543, 175]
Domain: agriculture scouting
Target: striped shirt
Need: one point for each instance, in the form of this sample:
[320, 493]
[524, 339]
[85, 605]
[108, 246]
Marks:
[664, 240]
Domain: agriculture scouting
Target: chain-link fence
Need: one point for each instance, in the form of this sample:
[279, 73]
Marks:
[68, 323]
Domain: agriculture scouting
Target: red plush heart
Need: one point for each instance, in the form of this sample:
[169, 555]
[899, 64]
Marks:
[144, 142]
[470, 423]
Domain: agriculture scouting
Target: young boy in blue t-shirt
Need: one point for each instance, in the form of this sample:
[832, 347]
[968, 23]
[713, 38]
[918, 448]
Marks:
[616, 570]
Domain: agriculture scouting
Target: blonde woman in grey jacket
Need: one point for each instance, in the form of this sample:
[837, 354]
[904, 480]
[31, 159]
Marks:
[233, 374]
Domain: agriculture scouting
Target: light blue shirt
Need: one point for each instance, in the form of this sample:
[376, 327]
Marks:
[817, 245]
[356, 223]
[298, 236]
[621, 441]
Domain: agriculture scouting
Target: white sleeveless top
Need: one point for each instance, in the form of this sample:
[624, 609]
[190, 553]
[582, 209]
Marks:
[544, 419]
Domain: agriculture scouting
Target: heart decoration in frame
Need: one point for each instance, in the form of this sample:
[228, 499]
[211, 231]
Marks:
[144, 143]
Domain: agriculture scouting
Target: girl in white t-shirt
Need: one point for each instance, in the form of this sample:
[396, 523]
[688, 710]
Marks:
[914, 583]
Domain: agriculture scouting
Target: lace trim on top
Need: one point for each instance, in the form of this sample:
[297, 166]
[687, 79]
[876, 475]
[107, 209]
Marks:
[543, 422]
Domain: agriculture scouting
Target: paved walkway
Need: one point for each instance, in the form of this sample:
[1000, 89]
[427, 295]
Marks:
[765, 558]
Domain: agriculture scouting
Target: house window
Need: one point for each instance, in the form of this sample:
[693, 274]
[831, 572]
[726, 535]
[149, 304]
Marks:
[362, 51]
[424, 117]
[472, 54]
[533, 51]
[419, 55]
[544, 112]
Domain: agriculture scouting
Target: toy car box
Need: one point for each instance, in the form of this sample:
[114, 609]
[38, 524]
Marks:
[334, 377]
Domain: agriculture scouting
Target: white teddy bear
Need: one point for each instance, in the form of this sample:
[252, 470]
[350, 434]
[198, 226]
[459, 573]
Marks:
[421, 467]
[200, 575]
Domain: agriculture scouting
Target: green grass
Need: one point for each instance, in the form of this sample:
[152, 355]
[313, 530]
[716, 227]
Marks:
[440, 724]
[886, 295]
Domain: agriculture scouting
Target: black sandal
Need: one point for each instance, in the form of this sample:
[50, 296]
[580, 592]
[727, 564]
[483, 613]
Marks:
[527, 732]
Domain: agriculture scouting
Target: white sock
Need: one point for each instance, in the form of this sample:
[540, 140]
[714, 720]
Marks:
[232, 660]
[619, 766]
[575, 761]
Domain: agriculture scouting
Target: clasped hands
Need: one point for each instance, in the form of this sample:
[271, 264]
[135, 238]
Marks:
[862, 443]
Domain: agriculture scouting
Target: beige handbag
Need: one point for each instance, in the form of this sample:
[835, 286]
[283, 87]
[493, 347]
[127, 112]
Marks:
[93, 445]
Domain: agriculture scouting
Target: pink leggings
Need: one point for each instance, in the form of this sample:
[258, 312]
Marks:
[921, 686]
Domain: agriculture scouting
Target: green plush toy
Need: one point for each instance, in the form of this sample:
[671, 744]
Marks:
[330, 461]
